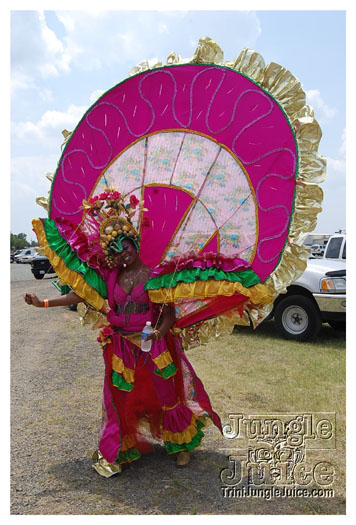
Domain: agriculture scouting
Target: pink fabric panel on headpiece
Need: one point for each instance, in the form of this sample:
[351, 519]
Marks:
[166, 208]
[211, 246]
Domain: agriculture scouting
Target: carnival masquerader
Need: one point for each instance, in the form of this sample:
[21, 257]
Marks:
[218, 170]
[154, 395]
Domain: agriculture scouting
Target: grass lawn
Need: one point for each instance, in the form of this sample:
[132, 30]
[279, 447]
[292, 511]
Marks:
[257, 372]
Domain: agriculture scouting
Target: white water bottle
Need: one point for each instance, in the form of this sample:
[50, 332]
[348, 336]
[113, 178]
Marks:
[146, 345]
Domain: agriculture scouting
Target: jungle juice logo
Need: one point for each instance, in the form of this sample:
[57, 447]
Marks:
[281, 452]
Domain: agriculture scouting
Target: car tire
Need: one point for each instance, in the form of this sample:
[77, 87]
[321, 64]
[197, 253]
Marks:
[38, 275]
[297, 318]
[340, 326]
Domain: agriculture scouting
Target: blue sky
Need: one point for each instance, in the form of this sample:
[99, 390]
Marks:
[61, 61]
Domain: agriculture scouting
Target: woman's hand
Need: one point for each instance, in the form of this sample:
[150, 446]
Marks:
[31, 298]
[63, 300]
[155, 336]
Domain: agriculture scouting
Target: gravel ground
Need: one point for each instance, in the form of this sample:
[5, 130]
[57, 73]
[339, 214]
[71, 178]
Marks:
[56, 382]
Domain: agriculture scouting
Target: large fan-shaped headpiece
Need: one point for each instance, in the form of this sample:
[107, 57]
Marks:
[224, 157]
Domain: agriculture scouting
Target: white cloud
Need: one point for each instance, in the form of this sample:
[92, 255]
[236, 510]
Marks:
[36, 51]
[28, 181]
[89, 41]
[20, 80]
[46, 95]
[56, 58]
[94, 40]
[336, 165]
[50, 125]
[323, 112]
[163, 28]
[28, 174]
[342, 149]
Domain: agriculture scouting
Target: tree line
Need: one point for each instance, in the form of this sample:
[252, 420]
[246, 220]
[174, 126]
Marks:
[19, 241]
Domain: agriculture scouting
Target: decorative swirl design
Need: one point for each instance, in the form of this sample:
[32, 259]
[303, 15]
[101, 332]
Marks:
[172, 95]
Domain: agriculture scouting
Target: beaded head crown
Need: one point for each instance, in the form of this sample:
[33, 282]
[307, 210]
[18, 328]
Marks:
[114, 215]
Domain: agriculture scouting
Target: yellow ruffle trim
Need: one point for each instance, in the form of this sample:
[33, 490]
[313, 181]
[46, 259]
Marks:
[182, 437]
[259, 293]
[163, 360]
[70, 277]
[119, 367]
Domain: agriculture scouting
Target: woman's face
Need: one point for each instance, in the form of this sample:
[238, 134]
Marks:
[128, 254]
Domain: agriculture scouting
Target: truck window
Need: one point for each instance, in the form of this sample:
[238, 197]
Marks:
[344, 251]
[334, 246]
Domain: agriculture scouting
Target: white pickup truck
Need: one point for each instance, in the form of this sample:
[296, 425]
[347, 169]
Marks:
[318, 296]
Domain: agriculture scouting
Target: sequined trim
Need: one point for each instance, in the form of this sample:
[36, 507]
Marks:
[132, 308]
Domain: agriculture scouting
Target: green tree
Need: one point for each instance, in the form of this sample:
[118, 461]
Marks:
[18, 241]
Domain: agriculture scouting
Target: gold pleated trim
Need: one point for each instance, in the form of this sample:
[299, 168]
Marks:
[119, 367]
[73, 279]
[163, 360]
[259, 293]
[182, 437]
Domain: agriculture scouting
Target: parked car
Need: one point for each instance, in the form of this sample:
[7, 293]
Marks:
[26, 255]
[318, 296]
[17, 257]
[40, 266]
[318, 250]
[13, 255]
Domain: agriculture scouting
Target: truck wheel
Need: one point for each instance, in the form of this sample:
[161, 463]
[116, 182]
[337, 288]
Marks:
[297, 317]
[38, 275]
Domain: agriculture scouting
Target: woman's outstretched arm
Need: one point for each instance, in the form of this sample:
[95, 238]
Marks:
[63, 300]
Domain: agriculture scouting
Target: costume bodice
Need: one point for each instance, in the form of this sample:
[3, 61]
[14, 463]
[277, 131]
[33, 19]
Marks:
[130, 311]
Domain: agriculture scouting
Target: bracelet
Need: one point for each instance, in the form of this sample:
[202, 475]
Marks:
[45, 303]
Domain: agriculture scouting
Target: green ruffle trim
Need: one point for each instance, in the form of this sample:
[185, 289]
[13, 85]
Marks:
[171, 448]
[170, 280]
[166, 372]
[120, 383]
[71, 260]
[129, 455]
